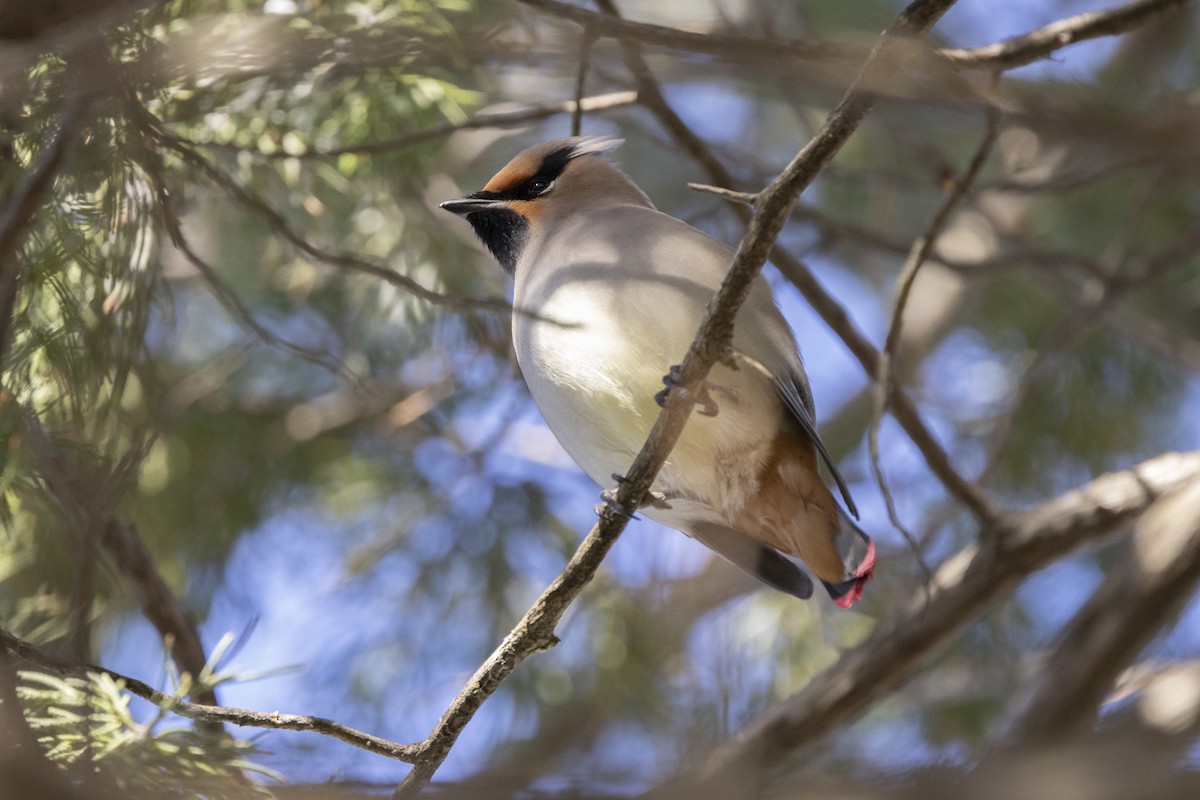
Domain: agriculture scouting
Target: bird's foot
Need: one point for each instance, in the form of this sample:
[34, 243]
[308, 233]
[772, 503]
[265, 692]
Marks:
[609, 502]
[699, 396]
[653, 498]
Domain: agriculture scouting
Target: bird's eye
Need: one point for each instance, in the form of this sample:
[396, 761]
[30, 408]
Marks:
[537, 186]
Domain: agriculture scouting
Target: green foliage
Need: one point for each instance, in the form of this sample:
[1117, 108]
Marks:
[190, 353]
[88, 720]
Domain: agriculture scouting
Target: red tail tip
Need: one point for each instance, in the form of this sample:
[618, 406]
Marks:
[865, 572]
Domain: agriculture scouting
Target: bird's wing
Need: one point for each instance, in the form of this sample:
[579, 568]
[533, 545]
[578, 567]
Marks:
[797, 397]
[760, 561]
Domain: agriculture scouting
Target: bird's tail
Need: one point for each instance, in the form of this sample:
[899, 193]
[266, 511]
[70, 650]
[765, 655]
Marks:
[761, 561]
[858, 555]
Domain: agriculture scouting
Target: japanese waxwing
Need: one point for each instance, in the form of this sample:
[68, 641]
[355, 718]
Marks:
[609, 293]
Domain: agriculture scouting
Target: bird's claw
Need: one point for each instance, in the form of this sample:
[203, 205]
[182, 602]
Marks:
[609, 502]
[653, 498]
[699, 396]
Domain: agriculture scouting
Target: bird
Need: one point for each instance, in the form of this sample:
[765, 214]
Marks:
[607, 292]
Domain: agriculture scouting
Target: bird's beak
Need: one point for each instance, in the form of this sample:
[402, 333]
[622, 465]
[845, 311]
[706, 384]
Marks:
[470, 204]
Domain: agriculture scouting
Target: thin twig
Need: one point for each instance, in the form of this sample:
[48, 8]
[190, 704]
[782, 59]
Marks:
[152, 128]
[921, 249]
[197, 711]
[242, 315]
[496, 119]
[169, 218]
[722, 44]
[536, 629]
[903, 408]
[746, 198]
[586, 40]
[346, 261]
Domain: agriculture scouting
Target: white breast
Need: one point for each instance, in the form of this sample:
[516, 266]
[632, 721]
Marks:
[613, 313]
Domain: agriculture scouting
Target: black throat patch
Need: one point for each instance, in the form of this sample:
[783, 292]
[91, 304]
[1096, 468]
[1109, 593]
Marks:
[503, 232]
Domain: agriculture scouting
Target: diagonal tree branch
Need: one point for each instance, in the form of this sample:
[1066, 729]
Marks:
[963, 589]
[1029, 47]
[922, 248]
[1004, 55]
[794, 270]
[152, 128]
[92, 516]
[535, 630]
[903, 408]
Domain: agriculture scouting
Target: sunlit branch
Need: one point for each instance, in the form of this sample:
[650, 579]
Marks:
[917, 256]
[1029, 47]
[721, 44]
[228, 299]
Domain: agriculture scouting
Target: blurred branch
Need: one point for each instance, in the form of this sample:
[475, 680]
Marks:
[1029, 47]
[129, 553]
[1127, 762]
[286, 231]
[1014, 254]
[903, 408]
[494, 119]
[169, 217]
[964, 588]
[1133, 604]
[586, 40]
[1153, 334]
[917, 255]
[207, 713]
[1007, 54]
[159, 604]
[722, 44]
[20, 19]
[536, 629]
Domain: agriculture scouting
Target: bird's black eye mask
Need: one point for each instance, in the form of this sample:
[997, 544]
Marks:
[539, 184]
[530, 189]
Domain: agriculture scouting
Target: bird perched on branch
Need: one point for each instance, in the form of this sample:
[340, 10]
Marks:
[609, 292]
